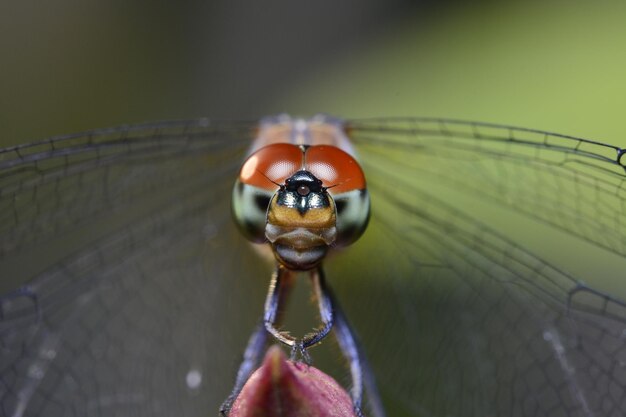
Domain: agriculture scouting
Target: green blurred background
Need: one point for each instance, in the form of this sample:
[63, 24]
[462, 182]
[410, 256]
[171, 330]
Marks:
[72, 65]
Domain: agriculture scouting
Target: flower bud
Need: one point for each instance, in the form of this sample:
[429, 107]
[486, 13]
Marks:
[281, 388]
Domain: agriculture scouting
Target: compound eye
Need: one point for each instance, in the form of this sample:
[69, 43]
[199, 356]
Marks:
[344, 180]
[338, 171]
[249, 208]
[353, 212]
[259, 179]
[271, 165]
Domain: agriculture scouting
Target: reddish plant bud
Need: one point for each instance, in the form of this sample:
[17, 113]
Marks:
[280, 388]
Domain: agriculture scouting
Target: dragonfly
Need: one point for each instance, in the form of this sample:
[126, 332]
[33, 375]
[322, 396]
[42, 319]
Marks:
[477, 289]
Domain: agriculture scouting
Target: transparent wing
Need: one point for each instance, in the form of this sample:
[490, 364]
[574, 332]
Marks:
[123, 274]
[129, 292]
[496, 255]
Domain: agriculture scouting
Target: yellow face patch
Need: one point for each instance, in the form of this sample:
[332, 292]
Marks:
[290, 217]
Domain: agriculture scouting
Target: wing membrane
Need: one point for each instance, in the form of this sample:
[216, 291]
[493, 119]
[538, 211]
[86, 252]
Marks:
[571, 183]
[121, 244]
[482, 322]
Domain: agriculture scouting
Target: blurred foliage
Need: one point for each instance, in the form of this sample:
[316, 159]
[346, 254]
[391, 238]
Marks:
[70, 65]
[553, 65]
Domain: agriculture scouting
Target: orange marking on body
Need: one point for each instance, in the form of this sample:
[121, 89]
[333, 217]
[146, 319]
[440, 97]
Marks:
[335, 168]
[291, 217]
[271, 164]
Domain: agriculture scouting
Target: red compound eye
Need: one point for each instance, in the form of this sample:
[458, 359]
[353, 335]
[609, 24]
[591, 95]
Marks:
[275, 163]
[271, 165]
[335, 168]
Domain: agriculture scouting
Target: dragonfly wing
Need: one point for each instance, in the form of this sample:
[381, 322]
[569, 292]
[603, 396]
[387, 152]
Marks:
[104, 236]
[466, 320]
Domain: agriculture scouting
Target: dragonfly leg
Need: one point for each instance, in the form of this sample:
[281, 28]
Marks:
[280, 285]
[325, 307]
[251, 360]
[275, 300]
[360, 370]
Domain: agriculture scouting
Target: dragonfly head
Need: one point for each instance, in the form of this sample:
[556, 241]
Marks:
[303, 200]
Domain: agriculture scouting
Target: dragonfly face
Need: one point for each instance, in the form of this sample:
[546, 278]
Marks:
[301, 198]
